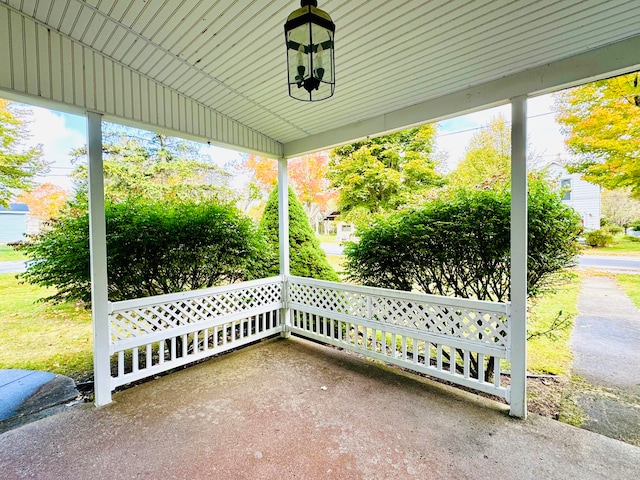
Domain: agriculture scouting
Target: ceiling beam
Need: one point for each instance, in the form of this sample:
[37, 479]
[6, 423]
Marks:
[610, 60]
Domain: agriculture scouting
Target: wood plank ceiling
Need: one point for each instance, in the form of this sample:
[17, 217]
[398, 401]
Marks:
[227, 57]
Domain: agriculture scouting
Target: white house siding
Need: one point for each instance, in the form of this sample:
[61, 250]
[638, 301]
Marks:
[13, 226]
[582, 196]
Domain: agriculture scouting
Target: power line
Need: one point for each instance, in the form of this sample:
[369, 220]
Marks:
[473, 129]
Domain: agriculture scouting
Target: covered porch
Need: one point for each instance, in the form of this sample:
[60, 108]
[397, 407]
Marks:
[214, 72]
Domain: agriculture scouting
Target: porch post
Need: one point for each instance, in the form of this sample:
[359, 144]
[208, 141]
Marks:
[98, 262]
[519, 226]
[283, 239]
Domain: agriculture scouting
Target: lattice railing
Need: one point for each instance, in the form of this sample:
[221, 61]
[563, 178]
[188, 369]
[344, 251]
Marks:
[459, 340]
[155, 334]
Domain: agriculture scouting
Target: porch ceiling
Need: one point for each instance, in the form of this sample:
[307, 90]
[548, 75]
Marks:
[215, 70]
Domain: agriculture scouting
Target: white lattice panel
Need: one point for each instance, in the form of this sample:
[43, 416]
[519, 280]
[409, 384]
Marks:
[485, 327]
[334, 300]
[465, 323]
[147, 319]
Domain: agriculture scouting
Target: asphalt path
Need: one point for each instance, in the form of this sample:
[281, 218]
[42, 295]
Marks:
[606, 357]
[332, 248]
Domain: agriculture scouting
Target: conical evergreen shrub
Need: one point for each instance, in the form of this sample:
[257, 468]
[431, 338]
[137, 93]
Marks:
[307, 259]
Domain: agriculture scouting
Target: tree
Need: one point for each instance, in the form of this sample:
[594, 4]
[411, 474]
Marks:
[152, 248]
[263, 171]
[488, 157]
[18, 165]
[307, 175]
[601, 124]
[141, 164]
[384, 173]
[306, 257]
[45, 201]
[619, 208]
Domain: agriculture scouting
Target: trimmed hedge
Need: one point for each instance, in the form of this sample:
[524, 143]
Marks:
[459, 245]
[152, 249]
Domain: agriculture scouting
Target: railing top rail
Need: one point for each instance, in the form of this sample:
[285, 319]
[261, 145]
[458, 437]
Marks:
[172, 297]
[481, 305]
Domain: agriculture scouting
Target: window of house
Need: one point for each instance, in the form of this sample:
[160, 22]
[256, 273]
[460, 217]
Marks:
[565, 187]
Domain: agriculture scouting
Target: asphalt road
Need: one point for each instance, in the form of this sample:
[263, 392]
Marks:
[614, 263]
[12, 267]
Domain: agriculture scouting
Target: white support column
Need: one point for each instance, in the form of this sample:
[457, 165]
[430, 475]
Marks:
[283, 238]
[98, 249]
[519, 234]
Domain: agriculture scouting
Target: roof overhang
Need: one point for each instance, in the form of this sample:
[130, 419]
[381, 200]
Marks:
[215, 71]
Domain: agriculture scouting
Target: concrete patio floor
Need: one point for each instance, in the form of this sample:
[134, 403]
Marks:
[263, 412]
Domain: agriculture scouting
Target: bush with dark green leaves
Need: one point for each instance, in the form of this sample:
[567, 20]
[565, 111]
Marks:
[459, 245]
[306, 257]
[152, 248]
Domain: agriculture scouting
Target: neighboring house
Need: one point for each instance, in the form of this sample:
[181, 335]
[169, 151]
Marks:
[13, 222]
[344, 231]
[583, 196]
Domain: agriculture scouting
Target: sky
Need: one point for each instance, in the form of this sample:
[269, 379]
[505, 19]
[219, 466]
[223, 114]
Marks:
[59, 133]
[544, 134]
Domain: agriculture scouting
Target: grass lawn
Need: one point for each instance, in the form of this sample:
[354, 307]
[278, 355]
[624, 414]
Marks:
[624, 248]
[39, 336]
[8, 254]
[328, 238]
[546, 355]
[337, 262]
[631, 285]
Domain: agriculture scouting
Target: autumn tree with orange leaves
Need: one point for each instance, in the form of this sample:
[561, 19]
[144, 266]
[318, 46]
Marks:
[307, 175]
[45, 201]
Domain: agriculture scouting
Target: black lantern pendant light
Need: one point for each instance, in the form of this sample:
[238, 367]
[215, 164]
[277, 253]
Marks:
[309, 35]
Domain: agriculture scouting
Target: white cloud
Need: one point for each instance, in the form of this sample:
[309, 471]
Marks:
[58, 134]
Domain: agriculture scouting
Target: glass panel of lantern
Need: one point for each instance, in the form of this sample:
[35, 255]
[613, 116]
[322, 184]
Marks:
[310, 55]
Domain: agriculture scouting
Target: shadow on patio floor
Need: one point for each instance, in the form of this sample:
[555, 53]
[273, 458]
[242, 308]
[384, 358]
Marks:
[294, 409]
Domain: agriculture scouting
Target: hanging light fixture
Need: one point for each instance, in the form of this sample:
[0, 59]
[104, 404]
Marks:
[309, 35]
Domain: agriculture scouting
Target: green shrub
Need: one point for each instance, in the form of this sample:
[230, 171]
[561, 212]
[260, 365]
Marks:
[306, 257]
[459, 245]
[613, 229]
[635, 225]
[598, 238]
[152, 248]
